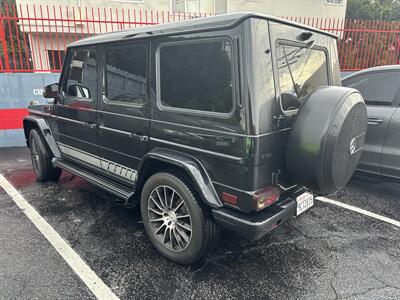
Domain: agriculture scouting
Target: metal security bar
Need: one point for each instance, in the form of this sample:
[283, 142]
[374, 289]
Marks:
[33, 38]
[362, 43]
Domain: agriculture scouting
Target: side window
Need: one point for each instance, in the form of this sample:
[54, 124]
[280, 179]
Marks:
[125, 74]
[301, 70]
[196, 76]
[377, 88]
[81, 78]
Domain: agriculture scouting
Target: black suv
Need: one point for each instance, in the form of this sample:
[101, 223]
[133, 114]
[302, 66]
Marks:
[232, 122]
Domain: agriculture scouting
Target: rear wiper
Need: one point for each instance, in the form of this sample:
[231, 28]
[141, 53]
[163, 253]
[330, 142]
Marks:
[290, 72]
[311, 44]
[291, 54]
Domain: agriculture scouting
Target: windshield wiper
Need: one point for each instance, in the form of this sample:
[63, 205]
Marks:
[290, 72]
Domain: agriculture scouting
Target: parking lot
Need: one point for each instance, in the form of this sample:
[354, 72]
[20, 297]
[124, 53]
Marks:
[329, 252]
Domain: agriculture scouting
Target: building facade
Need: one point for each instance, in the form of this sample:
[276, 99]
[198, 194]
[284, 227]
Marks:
[291, 8]
[50, 25]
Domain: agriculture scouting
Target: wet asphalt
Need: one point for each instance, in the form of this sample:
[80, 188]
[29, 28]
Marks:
[326, 253]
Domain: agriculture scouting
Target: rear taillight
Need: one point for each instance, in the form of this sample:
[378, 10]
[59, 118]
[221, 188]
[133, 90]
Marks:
[266, 197]
[229, 198]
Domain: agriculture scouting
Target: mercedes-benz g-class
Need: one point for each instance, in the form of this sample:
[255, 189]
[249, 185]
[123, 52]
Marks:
[234, 121]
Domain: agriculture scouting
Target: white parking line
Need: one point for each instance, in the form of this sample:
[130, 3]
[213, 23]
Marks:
[92, 281]
[359, 210]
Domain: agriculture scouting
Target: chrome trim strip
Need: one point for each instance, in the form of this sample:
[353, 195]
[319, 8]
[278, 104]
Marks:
[115, 130]
[37, 112]
[121, 153]
[75, 139]
[77, 108]
[71, 120]
[96, 145]
[225, 156]
[107, 112]
[183, 125]
[233, 188]
[124, 115]
[223, 132]
[99, 162]
[251, 193]
[142, 138]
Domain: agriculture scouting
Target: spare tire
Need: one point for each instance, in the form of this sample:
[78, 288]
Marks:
[326, 139]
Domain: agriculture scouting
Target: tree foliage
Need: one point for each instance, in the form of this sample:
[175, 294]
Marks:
[14, 38]
[388, 10]
[370, 34]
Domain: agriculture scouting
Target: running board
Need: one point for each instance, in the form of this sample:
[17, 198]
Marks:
[115, 188]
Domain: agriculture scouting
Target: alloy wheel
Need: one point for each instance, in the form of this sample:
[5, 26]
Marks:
[35, 156]
[169, 218]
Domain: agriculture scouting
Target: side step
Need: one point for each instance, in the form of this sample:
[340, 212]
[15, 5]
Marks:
[95, 178]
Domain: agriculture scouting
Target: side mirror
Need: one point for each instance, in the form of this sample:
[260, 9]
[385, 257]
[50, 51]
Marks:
[51, 91]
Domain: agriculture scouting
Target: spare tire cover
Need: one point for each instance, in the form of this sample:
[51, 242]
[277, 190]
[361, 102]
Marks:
[326, 139]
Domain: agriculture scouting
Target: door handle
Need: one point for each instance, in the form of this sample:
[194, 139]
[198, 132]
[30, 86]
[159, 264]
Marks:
[91, 125]
[141, 137]
[375, 121]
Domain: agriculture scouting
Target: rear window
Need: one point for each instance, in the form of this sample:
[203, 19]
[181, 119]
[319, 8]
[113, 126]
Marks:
[301, 69]
[196, 76]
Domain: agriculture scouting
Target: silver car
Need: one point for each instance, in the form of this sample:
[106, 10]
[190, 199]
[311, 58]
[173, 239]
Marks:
[380, 88]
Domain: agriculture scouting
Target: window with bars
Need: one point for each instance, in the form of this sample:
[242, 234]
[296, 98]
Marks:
[199, 6]
[56, 58]
[334, 2]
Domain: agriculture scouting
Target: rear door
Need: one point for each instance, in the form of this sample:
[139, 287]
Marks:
[124, 108]
[195, 110]
[379, 90]
[76, 107]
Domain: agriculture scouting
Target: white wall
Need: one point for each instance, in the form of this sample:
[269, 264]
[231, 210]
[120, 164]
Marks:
[133, 4]
[303, 8]
[290, 8]
[131, 10]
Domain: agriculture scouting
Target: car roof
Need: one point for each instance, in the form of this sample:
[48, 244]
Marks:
[193, 25]
[373, 70]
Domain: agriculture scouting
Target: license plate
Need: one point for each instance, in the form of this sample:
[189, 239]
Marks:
[304, 202]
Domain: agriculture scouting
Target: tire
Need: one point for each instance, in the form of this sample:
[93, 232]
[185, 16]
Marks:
[326, 139]
[41, 158]
[172, 240]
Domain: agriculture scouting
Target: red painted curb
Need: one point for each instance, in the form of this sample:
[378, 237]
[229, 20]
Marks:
[12, 118]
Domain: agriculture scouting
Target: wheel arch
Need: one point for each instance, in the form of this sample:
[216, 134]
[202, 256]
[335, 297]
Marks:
[31, 122]
[160, 159]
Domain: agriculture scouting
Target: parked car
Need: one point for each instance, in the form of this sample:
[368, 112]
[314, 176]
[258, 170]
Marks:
[232, 122]
[380, 88]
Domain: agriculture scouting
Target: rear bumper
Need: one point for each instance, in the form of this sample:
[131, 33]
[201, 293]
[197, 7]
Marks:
[256, 225]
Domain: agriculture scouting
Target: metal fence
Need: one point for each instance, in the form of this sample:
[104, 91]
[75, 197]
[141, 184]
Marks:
[362, 43]
[34, 38]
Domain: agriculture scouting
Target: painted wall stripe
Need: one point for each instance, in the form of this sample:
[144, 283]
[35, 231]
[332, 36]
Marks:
[359, 210]
[87, 275]
[12, 118]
